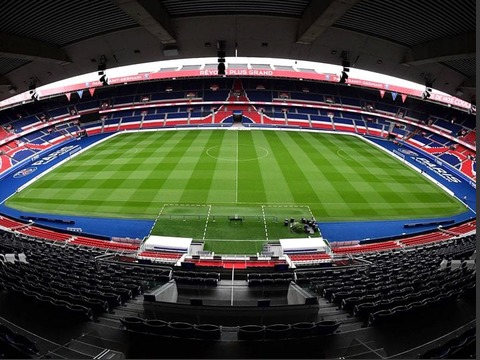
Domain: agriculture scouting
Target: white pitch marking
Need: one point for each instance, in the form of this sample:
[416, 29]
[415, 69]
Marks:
[156, 219]
[206, 221]
[265, 222]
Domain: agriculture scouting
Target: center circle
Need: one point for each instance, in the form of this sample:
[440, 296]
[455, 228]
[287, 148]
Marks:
[222, 152]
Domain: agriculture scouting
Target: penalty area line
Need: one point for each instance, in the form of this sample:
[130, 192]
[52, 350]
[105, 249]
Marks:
[206, 222]
[265, 222]
[156, 219]
[310, 211]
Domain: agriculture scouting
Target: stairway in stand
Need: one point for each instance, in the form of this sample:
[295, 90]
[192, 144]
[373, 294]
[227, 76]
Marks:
[237, 94]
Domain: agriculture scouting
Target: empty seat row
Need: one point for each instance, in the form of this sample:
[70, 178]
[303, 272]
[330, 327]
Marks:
[364, 310]
[16, 346]
[268, 282]
[411, 310]
[196, 281]
[244, 333]
[161, 255]
[84, 241]
[287, 331]
[176, 329]
[462, 346]
[197, 274]
[309, 257]
[381, 246]
[74, 310]
[275, 275]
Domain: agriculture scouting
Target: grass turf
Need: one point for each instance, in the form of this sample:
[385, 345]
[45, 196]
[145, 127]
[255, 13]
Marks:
[332, 177]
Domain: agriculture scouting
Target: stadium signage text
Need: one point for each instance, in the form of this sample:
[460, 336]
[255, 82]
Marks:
[239, 72]
[434, 167]
[181, 68]
[55, 154]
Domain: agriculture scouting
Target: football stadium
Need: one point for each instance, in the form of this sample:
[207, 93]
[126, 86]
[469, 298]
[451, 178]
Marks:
[176, 182]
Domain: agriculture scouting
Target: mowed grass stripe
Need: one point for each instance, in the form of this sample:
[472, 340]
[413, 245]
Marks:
[138, 162]
[134, 174]
[251, 159]
[90, 193]
[359, 184]
[277, 188]
[175, 172]
[338, 174]
[199, 184]
[328, 173]
[223, 176]
[402, 184]
[299, 184]
[359, 175]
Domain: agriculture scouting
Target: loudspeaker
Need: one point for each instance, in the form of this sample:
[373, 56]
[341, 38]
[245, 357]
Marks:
[263, 302]
[196, 302]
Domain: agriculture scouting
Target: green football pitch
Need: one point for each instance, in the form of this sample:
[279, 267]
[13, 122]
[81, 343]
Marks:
[224, 185]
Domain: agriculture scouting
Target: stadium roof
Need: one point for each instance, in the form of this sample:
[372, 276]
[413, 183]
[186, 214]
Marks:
[48, 40]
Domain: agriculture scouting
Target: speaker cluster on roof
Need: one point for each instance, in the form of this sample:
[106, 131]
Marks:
[346, 67]
[33, 91]
[428, 86]
[102, 67]
[426, 93]
[221, 57]
[344, 76]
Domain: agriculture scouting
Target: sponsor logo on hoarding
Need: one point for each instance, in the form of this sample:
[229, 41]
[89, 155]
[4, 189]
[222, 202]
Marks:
[55, 154]
[408, 152]
[25, 172]
[440, 171]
